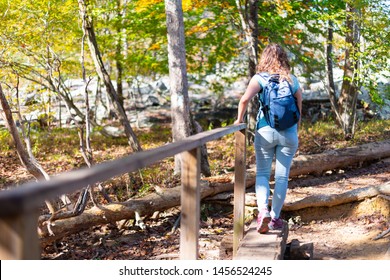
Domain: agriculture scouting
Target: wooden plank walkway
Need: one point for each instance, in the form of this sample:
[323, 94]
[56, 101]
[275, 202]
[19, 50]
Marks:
[269, 246]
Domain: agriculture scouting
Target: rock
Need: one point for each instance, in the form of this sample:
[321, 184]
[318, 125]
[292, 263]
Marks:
[114, 131]
[160, 86]
[296, 251]
[152, 101]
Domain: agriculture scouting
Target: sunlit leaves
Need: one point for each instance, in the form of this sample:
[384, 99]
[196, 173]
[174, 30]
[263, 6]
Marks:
[33, 32]
[133, 33]
[143, 5]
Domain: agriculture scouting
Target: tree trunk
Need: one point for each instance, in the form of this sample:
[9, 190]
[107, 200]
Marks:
[329, 64]
[349, 91]
[317, 200]
[182, 123]
[28, 160]
[340, 158]
[249, 23]
[330, 200]
[250, 27]
[104, 76]
[253, 24]
[118, 53]
[119, 75]
[254, 34]
[32, 166]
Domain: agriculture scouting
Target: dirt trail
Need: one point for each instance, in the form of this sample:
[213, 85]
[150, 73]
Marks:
[346, 231]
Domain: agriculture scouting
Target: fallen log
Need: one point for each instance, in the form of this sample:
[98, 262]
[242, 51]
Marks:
[340, 158]
[355, 156]
[337, 199]
[168, 198]
[321, 200]
[50, 231]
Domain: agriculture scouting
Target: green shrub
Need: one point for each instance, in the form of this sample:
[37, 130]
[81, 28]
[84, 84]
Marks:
[5, 140]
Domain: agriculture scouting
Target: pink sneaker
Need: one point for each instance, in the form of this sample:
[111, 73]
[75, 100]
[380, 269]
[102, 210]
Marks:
[262, 221]
[276, 223]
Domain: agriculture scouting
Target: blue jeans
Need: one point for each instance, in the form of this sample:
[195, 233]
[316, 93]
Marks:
[269, 143]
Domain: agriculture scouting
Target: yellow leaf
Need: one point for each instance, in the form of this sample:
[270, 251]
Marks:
[154, 47]
[142, 5]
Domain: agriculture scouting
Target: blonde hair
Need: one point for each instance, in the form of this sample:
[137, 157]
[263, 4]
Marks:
[274, 60]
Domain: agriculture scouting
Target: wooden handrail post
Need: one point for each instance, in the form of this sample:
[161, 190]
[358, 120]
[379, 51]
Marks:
[19, 237]
[239, 188]
[190, 205]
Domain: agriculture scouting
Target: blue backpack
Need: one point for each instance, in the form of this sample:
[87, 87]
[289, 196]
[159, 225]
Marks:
[278, 103]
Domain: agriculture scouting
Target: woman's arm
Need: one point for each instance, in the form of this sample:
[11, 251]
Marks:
[298, 96]
[252, 89]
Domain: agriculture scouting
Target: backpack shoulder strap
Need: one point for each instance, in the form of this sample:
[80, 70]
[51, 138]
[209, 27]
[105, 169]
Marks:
[289, 86]
[264, 79]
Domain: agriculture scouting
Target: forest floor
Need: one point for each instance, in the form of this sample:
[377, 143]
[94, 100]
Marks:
[345, 231]
[336, 232]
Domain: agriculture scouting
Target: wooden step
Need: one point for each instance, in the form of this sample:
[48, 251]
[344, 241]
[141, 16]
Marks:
[256, 246]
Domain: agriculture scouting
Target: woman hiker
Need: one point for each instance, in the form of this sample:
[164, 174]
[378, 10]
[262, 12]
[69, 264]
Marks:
[270, 142]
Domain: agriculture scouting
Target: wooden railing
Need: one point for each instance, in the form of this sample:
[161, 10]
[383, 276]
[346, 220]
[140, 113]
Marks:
[19, 207]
